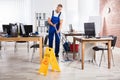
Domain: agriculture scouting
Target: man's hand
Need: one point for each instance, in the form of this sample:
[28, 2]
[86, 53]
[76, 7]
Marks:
[54, 25]
[58, 31]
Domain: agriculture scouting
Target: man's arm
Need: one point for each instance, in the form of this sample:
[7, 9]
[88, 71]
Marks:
[61, 22]
[50, 23]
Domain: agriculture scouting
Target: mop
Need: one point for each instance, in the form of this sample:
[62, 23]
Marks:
[59, 39]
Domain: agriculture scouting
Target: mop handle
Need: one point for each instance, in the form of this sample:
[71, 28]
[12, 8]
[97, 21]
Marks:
[56, 31]
[55, 27]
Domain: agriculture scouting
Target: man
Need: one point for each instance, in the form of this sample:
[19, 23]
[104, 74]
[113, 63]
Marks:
[55, 23]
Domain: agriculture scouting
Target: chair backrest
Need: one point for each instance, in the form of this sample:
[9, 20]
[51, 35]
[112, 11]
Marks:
[46, 40]
[113, 42]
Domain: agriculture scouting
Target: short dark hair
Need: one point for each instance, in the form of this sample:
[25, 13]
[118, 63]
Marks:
[60, 5]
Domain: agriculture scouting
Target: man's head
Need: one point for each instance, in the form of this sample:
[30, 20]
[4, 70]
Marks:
[59, 8]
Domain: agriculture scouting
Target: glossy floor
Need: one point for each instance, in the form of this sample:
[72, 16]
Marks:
[16, 66]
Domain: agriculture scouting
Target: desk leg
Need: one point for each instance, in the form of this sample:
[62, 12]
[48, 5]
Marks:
[74, 41]
[109, 54]
[40, 49]
[0, 45]
[83, 48]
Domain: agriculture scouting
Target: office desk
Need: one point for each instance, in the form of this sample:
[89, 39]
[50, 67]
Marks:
[93, 40]
[35, 39]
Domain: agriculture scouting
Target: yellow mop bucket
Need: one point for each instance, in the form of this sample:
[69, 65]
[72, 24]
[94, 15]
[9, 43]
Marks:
[49, 58]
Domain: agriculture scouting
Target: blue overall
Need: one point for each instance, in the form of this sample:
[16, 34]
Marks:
[52, 32]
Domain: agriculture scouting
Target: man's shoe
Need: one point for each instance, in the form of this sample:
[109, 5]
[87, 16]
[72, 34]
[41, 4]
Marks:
[57, 59]
[56, 55]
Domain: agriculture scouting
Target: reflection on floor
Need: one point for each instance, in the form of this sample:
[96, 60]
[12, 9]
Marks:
[16, 66]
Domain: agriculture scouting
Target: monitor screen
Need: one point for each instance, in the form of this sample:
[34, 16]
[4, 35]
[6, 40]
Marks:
[89, 29]
[6, 28]
[70, 28]
[25, 30]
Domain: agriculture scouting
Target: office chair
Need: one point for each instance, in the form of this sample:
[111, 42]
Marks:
[35, 46]
[15, 46]
[24, 31]
[103, 48]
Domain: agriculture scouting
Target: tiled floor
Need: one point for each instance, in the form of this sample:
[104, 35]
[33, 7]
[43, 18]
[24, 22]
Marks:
[16, 66]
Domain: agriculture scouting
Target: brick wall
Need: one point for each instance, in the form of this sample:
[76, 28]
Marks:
[110, 12]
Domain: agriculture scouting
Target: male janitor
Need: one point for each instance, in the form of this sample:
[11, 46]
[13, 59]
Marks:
[55, 22]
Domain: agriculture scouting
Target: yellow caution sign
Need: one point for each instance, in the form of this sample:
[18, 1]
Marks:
[53, 62]
[49, 58]
[45, 62]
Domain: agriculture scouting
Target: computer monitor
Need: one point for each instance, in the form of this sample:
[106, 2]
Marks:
[25, 30]
[11, 29]
[89, 29]
[6, 28]
[70, 28]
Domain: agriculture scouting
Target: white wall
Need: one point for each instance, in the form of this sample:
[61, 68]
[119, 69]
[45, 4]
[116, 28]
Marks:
[27, 11]
[87, 8]
[12, 11]
[71, 14]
